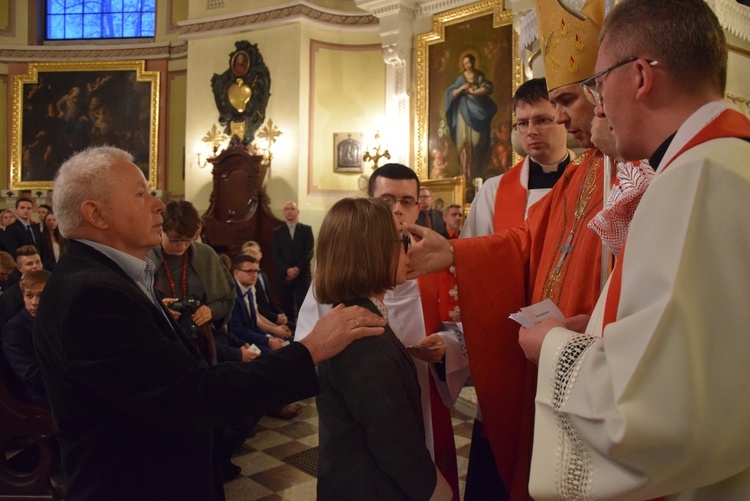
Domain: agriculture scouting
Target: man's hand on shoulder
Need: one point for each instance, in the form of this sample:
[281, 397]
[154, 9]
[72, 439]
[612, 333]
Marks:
[339, 328]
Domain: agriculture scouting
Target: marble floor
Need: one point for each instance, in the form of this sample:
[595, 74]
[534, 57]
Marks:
[265, 458]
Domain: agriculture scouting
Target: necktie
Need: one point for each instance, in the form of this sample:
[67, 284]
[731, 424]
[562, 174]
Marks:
[31, 234]
[291, 231]
[427, 219]
[251, 308]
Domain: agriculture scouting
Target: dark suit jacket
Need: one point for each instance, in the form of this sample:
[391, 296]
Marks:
[16, 236]
[288, 253]
[134, 405]
[18, 348]
[266, 306]
[241, 325]
[437, 221]
[370, 420]
[11, 303]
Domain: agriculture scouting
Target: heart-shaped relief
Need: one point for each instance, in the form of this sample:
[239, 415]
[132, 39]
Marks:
[239, 94]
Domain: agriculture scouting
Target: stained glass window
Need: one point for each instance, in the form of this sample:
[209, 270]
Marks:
[92, 19]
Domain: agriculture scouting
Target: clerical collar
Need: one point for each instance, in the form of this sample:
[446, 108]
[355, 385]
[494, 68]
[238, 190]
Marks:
[538, 179]
[658, 155]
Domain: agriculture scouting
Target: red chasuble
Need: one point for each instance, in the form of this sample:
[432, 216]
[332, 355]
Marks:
[442, 426]
[553, 255]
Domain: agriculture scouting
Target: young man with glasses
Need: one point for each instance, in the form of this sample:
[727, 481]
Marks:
[526, 183]
[657, 403]
[551, 255]
[414, 314]
[246, 322]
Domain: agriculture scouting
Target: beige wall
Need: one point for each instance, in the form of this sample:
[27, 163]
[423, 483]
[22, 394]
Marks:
[347, 95]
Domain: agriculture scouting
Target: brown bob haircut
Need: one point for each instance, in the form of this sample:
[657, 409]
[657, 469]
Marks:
[182, 218]
[357, 251]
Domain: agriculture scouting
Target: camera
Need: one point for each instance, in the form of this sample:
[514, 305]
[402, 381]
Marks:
[186, 306]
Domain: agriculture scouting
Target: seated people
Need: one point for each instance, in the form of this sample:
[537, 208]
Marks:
[244, 322]
[266, 305]
[11, 302]
[244, 319]
[17, 342]
[372, 440]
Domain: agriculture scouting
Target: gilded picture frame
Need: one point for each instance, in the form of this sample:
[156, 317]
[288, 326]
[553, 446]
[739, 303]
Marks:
[469, 61]
[61, 108]
[446, 191]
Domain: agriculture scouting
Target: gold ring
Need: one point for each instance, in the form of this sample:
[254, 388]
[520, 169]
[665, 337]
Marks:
[356, 321]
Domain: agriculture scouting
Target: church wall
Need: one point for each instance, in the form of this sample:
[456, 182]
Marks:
[15, 33]
[338, 88]
[210, 8]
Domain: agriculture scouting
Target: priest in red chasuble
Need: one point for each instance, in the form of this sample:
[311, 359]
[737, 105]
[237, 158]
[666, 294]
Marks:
[553, 254]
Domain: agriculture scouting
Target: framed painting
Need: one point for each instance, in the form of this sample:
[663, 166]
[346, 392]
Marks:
[446, 191]
[468, 68]
[62, 108]
[347, 151]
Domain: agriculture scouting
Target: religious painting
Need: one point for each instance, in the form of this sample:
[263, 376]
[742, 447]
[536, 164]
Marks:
[240, 63]
[467, 71]
[63, 108]
[446, 191]
[347, 151]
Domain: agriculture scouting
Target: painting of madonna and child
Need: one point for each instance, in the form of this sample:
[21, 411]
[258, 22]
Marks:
[470, 83]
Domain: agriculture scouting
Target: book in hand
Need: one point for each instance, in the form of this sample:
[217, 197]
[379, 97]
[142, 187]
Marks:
[534, 314]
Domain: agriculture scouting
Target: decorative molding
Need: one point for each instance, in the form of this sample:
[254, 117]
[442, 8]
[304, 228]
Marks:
[173, 50]
[733, 16]
[388, 7]
[293, 11]
[428, 8]
[740, 102]
[10, 30]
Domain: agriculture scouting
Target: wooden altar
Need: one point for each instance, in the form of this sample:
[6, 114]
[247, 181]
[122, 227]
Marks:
[238, 209]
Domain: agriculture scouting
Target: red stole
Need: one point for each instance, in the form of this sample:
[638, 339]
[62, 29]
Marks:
[442, 426]
[729, 123]
[510, 208]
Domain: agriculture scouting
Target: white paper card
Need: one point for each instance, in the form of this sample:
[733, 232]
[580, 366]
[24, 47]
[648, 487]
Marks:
[532, 315]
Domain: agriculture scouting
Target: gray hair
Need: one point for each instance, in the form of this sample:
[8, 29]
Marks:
[84, 176]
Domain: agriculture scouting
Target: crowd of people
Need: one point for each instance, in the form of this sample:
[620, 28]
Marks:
[147, 342]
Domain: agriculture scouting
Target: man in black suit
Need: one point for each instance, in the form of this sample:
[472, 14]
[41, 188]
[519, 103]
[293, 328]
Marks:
[134, 404]
[22, 231]
[292, 247]
[429, 217]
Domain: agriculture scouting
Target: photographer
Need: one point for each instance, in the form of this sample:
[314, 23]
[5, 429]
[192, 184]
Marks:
[190, 278]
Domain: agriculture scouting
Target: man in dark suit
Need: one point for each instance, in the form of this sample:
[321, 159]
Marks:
[134, 404]
[292, 247]
[244, 320]
[429, 217]
[22, 231]
[267, 307]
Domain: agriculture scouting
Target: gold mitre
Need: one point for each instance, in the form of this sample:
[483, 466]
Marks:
[569, 39]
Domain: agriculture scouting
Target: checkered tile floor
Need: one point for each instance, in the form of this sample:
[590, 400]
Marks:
[266, 476]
